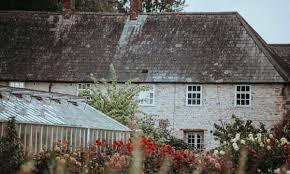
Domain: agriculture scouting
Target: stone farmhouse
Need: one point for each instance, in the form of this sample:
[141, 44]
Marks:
[202, 67]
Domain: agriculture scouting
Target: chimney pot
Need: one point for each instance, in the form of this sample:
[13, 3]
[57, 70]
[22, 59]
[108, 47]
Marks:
[135, 9]
[68, 5]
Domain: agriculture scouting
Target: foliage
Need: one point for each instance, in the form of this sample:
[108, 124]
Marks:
[263, 151]
[282, 129]
[117, 158]
[161, 133]
[31, 5]
[11, 154]
[226, 130]
[121, 6]
[117, 101]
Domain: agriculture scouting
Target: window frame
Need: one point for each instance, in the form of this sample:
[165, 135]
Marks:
[12, 84]
[146, 104]
[79, 90]
[195, 133]
[243, 92]
[196, 92]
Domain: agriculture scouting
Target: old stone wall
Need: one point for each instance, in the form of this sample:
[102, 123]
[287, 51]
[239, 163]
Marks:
[218, 104]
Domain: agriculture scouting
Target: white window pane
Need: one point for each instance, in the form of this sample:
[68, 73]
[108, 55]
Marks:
[146, 97]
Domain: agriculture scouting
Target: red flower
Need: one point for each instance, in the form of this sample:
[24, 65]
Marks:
[168, 148]
[100, 142]
[118, 143]
[129, 147]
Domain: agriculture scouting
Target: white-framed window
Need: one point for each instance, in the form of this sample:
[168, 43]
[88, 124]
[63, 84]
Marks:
[84, 90]
[147, 98]
[193, 95]
[243, 95]
[16, 84]
[195, 139]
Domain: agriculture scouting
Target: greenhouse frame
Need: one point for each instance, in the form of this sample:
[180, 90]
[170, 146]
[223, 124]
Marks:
[44, 118]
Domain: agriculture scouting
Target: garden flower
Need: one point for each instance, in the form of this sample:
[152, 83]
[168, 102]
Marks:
[218, 166]
[268, 140]
[215, 152]
[41, 151]
[56, 149]
[222, 152]
[283, 141]
[268, 147]
[261, 144]
[243, 141]
[235, 146]
[238, 135]
[271, 136]
[57, 158]
[62, 161]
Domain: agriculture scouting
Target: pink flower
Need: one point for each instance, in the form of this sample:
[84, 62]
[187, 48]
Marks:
[218, 166]
[56, 149]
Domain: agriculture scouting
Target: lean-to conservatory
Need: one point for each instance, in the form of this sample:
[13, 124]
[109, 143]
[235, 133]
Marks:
[43, 118]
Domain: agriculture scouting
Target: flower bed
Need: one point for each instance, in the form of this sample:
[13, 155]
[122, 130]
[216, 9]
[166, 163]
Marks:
[116, 158]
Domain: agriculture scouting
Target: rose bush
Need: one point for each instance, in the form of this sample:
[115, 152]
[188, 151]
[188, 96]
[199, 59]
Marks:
[116, 158]
[264, 152]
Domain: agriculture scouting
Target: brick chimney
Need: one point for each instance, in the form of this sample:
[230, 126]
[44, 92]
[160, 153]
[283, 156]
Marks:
[135, 9]
[68, 5]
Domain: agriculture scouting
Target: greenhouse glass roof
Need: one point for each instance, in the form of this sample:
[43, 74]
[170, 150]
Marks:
[38, 107]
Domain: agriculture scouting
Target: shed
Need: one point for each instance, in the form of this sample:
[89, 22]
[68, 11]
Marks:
[43, 118]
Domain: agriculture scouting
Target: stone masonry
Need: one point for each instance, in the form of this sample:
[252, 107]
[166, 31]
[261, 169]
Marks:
[218, 100]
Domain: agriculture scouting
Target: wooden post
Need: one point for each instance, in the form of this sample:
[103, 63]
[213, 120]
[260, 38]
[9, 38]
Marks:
[51, 140]
[30, 141]
[56, 139]
[88, 137]
[71, 138]
[80, 138]
[36, 139]
[76, 136]
[41, 132]
[25, 142]
[2, 129]
[61, 136]
[46, 138]
[19, 131]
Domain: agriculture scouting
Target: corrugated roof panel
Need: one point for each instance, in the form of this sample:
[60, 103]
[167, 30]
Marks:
[30, 110]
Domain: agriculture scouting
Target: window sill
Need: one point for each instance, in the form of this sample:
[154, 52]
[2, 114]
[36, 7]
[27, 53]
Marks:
[144, 105]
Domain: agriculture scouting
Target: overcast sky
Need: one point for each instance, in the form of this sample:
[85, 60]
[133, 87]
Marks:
[270, 18]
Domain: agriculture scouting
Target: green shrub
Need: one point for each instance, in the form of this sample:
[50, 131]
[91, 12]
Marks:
[11, 153]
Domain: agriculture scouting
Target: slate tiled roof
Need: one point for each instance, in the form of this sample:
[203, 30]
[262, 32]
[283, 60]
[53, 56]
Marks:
[176, 47]
[38, 107]
[283, 51]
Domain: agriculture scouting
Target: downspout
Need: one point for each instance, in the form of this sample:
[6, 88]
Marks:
[49, 87]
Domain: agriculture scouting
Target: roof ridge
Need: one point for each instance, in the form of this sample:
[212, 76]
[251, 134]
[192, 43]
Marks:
[261, 43]
[60, 12]
[286, 44]
[120, 14]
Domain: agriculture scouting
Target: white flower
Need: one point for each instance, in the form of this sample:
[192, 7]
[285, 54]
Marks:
[261, 144]
[222, 152]
[268, 147]
[215, 152]
[235, 146]
[250, 135]
[224, 142]
[268, 141]
[271, 136]
[243, 141]
[259, 135]
[238, 135]
[283, 141]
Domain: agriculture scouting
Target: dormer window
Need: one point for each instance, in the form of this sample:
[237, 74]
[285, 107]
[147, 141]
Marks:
[16, 84]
